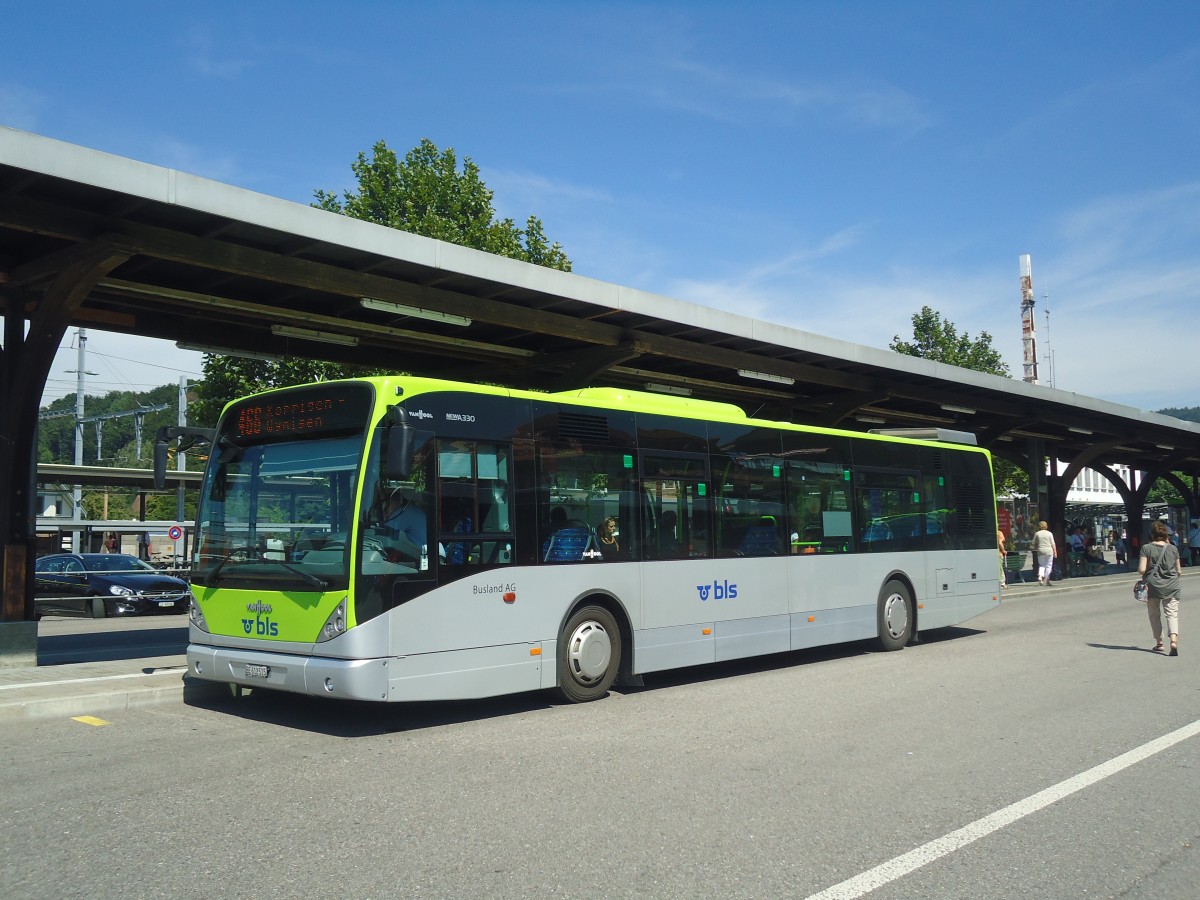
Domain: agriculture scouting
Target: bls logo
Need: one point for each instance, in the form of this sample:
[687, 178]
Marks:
[261, 627]
[718, 590]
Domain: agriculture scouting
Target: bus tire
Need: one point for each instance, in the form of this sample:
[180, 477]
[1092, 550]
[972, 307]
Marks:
[895, 615]
[589, 654]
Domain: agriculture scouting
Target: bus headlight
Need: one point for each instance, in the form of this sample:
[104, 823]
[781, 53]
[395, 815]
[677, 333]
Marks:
[195, 616]
[335, 624]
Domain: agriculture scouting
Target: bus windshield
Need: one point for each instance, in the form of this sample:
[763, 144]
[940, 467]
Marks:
[276, 513]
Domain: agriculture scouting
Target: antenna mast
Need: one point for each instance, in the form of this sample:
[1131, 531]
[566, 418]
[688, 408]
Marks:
[1048, 356]
[1028, 326]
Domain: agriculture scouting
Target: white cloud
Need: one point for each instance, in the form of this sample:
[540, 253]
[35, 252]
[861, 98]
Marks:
[861, 102]
[211, 56]
[529, 191]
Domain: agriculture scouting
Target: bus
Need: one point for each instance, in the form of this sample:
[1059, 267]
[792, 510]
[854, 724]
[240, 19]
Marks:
[406, 539]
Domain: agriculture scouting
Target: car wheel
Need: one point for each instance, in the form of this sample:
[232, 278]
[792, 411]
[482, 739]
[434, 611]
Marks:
[99, 610]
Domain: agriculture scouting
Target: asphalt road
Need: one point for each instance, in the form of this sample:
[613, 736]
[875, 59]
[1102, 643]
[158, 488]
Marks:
[1042, 752]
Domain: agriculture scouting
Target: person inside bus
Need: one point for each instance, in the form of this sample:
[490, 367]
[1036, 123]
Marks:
[668, 542]
[404, 524]
[608, 538]
[457, 521]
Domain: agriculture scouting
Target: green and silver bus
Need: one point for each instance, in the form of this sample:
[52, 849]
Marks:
[402, 539]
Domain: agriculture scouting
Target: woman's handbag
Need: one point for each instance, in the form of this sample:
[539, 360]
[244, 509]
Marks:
[1140, 590]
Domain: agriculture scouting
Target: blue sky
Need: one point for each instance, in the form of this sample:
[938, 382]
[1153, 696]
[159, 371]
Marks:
[832, 166]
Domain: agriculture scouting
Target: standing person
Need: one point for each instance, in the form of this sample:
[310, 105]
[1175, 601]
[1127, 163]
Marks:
[1121, 549]
[1159, 565]
[1000, 545]
[1046, 552]
[1194, 542]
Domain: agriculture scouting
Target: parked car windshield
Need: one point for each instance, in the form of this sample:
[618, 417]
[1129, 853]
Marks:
[117, 563]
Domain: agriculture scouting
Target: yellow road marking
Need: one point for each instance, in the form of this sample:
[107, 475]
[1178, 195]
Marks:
[89, 720]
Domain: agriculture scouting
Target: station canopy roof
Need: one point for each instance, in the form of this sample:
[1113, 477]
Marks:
[215, 266]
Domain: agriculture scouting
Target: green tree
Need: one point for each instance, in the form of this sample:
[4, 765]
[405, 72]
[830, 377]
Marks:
[938, 339]
[426, 193]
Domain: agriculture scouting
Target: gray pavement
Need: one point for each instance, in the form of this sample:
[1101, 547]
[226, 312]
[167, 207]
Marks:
[95, 688]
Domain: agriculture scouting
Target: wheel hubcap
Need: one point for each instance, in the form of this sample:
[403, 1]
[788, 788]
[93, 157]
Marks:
[895, 615]
[589, 652]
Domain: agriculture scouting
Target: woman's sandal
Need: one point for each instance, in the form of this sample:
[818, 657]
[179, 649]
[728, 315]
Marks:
[1174, 650]
[1158, 648]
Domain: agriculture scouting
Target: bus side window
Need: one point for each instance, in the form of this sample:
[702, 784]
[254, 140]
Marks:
[819, 507]
[474, 512]
[579, 490]
[889, 510]
[749, 506]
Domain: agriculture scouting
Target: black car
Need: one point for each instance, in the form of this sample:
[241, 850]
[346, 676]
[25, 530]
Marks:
[104, 584]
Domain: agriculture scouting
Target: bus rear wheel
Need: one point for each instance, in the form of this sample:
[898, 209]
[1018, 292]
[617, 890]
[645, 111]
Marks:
[589, 654]
[895, 616]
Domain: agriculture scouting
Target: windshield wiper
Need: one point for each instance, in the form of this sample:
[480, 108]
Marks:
[308, 577]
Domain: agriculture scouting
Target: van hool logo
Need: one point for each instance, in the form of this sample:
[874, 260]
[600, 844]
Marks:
[420, 414]
[718, 590]
[258, 607]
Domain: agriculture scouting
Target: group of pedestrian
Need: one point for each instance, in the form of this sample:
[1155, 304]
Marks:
[1159, 565]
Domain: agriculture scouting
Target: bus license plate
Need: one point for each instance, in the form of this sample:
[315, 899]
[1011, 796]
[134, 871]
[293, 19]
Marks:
[254, 670]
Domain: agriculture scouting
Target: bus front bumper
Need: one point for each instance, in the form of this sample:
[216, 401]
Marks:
[347, 679]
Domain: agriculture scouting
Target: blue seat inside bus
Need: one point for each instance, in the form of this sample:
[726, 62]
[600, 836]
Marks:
[876, 531]
[761, 539]
[568, 544]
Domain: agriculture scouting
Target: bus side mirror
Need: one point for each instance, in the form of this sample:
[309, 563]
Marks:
[399, 451]
[190, 437]
[160, 464]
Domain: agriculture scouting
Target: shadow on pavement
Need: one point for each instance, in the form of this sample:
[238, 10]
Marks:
[342, 718]
[106, 646]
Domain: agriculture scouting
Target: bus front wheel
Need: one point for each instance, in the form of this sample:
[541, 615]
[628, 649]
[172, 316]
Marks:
[895, 616]
[589, 654]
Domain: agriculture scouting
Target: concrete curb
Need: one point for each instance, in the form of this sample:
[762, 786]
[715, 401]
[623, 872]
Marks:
[104, 695]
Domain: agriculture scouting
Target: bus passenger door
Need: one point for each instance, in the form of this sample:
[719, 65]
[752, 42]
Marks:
[678, 623]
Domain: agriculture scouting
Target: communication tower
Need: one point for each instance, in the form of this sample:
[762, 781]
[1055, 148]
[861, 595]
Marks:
[1028, 326]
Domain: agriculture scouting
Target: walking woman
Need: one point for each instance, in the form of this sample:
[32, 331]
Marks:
[1046, 551]
[1159, 566]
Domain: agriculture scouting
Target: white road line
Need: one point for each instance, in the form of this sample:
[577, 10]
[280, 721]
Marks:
[35, 684]
[936, 849]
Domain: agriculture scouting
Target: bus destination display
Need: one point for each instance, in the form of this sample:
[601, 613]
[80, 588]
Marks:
[300, 413]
